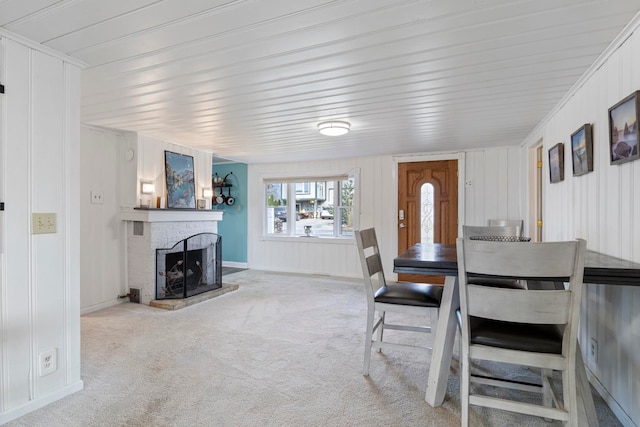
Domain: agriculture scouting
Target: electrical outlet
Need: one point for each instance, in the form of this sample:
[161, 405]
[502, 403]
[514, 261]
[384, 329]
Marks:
[48, 362]
[42, 223]
[134, 295]
[97, 197]
[593, 350]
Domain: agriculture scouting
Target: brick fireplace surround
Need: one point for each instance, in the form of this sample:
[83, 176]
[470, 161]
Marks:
[150, 229]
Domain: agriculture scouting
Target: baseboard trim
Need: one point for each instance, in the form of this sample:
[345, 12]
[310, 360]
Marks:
[309, 272]
[97, 307]
[234, 264]
[40, 402]
[617, 410]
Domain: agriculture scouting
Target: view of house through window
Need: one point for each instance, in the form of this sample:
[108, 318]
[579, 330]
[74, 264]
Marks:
[322, 208]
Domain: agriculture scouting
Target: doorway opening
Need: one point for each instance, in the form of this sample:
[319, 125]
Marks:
[535, 191]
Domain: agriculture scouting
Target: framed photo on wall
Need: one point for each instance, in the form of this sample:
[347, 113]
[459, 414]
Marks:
[556, 163]
[582, 150]
[623, 129]
[181, 186]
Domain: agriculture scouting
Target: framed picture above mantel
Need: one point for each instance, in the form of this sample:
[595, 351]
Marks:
[180, 179]
[623, 129]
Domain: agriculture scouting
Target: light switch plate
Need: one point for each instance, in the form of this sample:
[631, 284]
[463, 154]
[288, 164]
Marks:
[43, 223]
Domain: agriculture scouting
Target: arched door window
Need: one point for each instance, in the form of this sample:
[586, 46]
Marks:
[426, 213]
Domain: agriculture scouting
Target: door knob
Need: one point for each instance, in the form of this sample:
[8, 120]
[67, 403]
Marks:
[402, 225]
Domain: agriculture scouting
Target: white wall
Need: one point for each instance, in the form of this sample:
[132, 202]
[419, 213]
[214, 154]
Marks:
[602, 207]
[108, 168]
[338, 258]
[102, 272]
[40, 274]
[492, 188]
[493, 193]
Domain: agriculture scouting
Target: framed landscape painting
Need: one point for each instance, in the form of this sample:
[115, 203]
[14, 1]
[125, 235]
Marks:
[181, 186]
[556, 163]
[623, 130]
[582, 150]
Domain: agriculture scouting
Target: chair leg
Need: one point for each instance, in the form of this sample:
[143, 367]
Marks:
[586, 408]
[367, 342]
[570, 394]
[465, 379]
[547, 398]
[433, 321]
[381, 329]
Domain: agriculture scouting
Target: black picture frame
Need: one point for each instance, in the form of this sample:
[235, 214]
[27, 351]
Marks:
[582, 150]
[556, 163]
[623, 130]
[180, 179]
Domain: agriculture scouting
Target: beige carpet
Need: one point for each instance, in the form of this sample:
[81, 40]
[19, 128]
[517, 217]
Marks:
[282, 350]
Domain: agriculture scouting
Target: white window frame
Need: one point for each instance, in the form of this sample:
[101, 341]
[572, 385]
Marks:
[353, 174]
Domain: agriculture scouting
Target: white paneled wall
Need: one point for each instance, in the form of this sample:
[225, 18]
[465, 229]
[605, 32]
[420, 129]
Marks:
[339, 257]
[39, 284]
[492, 185]
[604, 208]
[494, 193]
[101, 261]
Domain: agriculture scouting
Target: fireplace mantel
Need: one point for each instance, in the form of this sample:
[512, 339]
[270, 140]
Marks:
[170, 215]
[151, 229]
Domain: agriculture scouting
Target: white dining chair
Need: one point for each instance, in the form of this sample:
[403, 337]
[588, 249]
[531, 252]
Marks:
[536, 328]
[409, 298]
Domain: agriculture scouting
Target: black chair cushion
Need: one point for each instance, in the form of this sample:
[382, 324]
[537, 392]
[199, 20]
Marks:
[418, 294]
[515, 336]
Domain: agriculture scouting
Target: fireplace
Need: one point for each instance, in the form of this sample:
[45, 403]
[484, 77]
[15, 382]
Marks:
[192, 266]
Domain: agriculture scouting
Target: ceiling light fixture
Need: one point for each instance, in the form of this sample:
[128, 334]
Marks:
[334, 127]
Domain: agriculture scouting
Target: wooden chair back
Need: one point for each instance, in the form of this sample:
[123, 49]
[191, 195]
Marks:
[549, 261]
[370, 260]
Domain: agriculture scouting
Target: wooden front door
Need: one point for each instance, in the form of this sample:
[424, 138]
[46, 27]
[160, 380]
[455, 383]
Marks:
[442, 175]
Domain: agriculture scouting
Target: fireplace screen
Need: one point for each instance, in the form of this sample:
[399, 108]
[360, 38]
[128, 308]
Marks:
[190, 267]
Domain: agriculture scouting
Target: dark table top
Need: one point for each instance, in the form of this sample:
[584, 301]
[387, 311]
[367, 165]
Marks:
[442, 259]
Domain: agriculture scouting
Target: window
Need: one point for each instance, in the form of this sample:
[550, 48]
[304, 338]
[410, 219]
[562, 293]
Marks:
[302, 188]
[313, 207]
[426, 217]
[277, 207]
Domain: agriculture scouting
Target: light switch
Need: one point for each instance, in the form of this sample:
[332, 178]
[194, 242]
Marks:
[43, 223]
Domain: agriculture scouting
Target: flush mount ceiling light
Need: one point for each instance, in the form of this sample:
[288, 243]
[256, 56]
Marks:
[334, 127]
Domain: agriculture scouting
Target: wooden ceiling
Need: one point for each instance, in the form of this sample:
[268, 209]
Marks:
[249, 80]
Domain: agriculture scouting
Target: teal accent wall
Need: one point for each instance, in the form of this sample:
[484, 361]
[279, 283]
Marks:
[233, 227]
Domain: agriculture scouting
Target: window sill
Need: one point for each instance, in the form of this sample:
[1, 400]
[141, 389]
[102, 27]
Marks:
[311, 239]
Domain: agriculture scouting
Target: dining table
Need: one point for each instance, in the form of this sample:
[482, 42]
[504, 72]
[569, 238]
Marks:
[440, 259]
